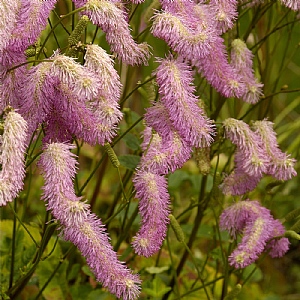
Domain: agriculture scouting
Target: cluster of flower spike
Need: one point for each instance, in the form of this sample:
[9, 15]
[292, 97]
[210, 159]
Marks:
[175, 124]
[81, 100]
[194, 31]
[70, 100]
[257, 153]
[261, 232]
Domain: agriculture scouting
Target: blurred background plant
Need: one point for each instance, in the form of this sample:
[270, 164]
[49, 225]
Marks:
[37, 264]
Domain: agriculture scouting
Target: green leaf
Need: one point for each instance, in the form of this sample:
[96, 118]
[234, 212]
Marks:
[129, 161]
[57, 288]
[73, 274]
[132, 141]
[176, 178]
[87, 271]
[100, 295]
[158, 288]
[79, 292]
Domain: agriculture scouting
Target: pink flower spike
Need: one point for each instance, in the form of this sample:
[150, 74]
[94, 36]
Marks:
[239, 183]
[281, 166]
[255, 237]
[112, 20]
[250, 156]
[84, 83]
[278, 246]
[151, 190]
[174, 78]
[225, 13]
[12, 149]
[187, 29]
[235, 217]
[218, 72]
[79, 225]
[241, 60]
[9, 13]
[98, 61]
[292, 4]
[258, 228]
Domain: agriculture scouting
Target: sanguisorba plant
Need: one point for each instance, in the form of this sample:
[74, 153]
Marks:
[171, 85]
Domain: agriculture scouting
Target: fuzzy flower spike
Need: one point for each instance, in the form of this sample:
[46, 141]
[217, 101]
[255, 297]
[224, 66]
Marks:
[112, 20]
[174, 78]
[259, 229]
[12, 149]
[154, 209]
[282, 165]
[251, 156]
[241, 60]
[80, 226]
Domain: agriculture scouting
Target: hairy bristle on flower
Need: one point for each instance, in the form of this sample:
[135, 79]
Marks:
[30, 20]
[218, 72]
[255, 237]
[225, 13]
[239, 183]
[189, 32]
[101, 63]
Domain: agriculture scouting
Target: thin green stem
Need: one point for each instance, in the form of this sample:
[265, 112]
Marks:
[54, 35]
[33, 159]
[13, 245]
[92, 174]
[126, 230]
[58, 23]
[136, 88]
[23, 225]
[176, 284]
[71, 248]
[29, 62]
[116, 213]
[125, 132]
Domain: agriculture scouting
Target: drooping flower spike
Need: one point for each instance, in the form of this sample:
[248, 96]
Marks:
[241, 60]
[12, 150]
[112, 20]
[250, 156]
[257, 153]
[261, 232]
[188, 29]
[154, 202]
[281, 165]
[174, 78]
[79, 225]
[28, 19]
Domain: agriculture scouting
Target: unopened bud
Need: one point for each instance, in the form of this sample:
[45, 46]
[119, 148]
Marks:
[176, 228]
[236, 290]
[112, 155]
[292, 234]
[202, 157]
[75, 36]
